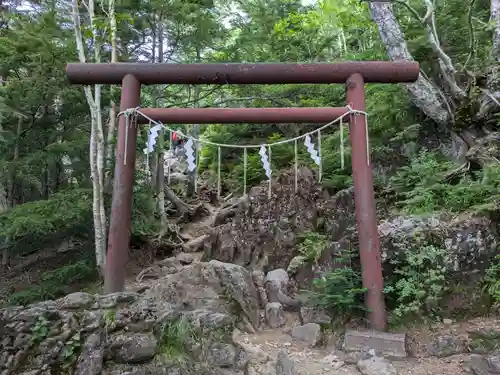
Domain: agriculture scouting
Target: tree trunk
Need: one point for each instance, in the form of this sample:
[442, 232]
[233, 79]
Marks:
[495, 21]
[160, 150]
[99, 132]
[96, 137]
[15, 157]
[491, 98]
[424, 93]
[191, 186]
[112, 105]
[4, 206]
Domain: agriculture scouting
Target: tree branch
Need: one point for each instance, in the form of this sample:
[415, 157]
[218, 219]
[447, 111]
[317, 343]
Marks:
[424, 93]
[472, 38]
[445, 63]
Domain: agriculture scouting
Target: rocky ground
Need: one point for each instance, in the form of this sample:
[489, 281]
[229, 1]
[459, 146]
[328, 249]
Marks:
[194, 317]
[226, 303]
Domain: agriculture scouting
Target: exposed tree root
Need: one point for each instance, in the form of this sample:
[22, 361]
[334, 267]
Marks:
[149, 273]
[186, 211]
[229, 210]
[195, 244]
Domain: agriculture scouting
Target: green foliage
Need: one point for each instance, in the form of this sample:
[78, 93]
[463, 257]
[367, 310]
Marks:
[492, 280]
[54, 284]
[418, 283]
[70, 352]
[422, 186]
[40, 330]
[175, 339]
[63, 211]
[484, 341]
[312, 245]
[144, 221]
[109, 318]
[340, 290]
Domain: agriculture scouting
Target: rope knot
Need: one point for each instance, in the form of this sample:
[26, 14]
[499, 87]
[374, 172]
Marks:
[129, 111]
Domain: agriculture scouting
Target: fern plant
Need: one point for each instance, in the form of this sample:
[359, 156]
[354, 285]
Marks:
[492, 280]
[418, 283]
[312, 245]
[339, 291]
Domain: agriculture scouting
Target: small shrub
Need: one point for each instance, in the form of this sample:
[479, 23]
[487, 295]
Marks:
[312, 245]
[339, 291]
[492, 281]
[63, 211]
[418, 283]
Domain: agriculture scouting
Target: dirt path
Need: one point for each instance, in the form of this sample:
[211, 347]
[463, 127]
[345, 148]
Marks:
[329, 361]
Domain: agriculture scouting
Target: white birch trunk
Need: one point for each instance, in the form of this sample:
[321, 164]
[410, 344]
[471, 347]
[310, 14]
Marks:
[96, 137]
[491, 98]
[495, 21]
[112, 107]
[99, 138]
[160, 159]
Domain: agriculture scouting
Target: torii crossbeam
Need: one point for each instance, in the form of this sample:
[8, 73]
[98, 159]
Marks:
[355, 74]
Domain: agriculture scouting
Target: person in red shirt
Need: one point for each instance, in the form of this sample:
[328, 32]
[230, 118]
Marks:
[176, 141]
[177, 144]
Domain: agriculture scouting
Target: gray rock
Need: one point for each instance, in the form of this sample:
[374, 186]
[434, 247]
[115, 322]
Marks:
[211, 296]
[259, 279]
[289, 303]
[222, 355]
[309, 333]
[92, 357]
[352, 358]
[78, 300]
[185, 258]
[383, 343]
[227, 371]
[264, 369]
[284, 365]
[494, 362]
[275, 315]
[297, 262]
[132, 348]
[447, 345]
[214, 286]
[110, 301]
[252, 353]
[484, 365]
[376, 366]
[242, 359]
[310, 314]
[21, 340]
[276, 281]
[237, 281]
[469, 242]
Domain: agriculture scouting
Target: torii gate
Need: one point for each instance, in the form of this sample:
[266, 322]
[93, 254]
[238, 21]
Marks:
[355, 74]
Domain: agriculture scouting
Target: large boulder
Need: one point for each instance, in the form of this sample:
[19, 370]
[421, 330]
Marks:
[185, 316]
[469, 241]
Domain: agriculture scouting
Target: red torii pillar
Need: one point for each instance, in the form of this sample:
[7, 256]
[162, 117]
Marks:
[355, 74]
